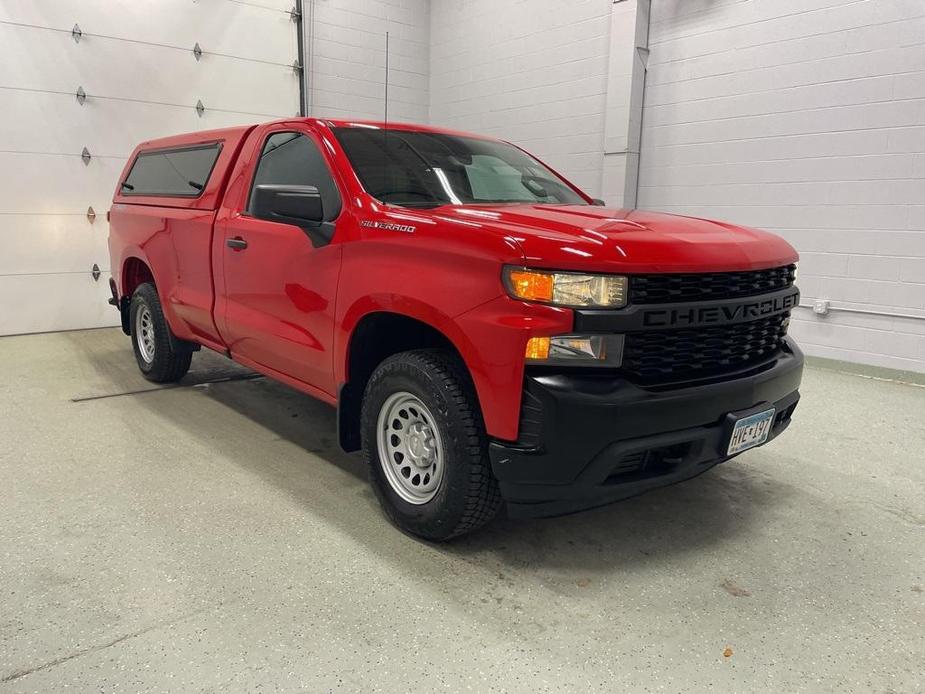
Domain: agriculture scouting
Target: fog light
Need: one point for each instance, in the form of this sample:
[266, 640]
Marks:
[576, 347]
[580, 350]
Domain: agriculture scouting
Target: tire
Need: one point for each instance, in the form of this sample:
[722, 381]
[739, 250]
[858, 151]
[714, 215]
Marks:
[156, 357]
[466, 495]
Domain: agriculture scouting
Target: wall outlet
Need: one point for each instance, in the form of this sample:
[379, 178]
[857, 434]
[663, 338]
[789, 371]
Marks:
[821, 307]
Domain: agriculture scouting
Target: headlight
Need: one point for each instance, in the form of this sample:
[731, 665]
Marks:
[566, 288]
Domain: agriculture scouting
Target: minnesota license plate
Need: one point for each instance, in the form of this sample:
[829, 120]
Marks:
[750, 431]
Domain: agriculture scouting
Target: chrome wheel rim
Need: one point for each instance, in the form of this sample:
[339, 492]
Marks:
[410, 448]
[144, 333]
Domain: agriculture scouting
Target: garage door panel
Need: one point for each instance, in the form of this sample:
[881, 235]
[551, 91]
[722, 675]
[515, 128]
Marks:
[153, 75]
[56, 184]
[104, 126]
[42, 303]
[219, 26]
[26, 240]
[63, 184]
[136, 65]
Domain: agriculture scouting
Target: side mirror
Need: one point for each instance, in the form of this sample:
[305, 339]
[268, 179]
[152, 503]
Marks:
[597, 202]
[299, 205]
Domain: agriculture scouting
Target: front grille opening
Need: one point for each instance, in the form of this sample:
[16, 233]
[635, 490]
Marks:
[692, 354]
[674, 288]
[645, 464]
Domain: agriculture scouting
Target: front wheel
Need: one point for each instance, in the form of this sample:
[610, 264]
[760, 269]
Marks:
[426, 447]
[156, 357]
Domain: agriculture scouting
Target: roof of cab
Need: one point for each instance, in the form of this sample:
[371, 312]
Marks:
[239, 131]
[382, 125]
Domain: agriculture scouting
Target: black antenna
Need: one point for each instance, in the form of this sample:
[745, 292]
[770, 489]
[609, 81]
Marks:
[386, 121]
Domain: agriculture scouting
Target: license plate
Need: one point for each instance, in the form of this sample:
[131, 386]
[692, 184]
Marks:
[750, 431]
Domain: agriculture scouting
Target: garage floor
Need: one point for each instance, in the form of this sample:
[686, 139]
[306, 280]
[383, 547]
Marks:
[211, 537]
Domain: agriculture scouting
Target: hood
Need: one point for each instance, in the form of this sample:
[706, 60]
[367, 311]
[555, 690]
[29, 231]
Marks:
[571, 237]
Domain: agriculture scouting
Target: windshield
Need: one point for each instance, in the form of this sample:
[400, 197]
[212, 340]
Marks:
[422, 169]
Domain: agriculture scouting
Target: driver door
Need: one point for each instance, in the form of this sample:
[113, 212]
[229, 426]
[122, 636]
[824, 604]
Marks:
[279, 288]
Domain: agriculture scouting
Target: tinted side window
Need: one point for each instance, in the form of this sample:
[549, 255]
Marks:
[294, 159]
[172, 172]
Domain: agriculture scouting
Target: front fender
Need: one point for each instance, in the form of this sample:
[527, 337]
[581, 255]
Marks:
[407, 306]
[490, 338]
[447, 278]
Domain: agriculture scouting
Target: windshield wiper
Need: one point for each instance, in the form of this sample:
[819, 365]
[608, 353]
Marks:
[511, 202]
[415, 152]
[535, 187]
[418, 205]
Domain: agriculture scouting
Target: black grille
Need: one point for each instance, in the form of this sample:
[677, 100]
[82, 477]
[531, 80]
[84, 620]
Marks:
[667, 289]
[686, 355]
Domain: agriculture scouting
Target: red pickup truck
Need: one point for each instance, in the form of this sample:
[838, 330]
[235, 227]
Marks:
[488, 333]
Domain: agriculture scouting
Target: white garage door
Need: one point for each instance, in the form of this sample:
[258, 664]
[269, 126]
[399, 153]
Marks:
[135, 61]
[806, 117]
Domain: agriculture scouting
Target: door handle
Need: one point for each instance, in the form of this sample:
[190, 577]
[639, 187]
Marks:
[236, 243]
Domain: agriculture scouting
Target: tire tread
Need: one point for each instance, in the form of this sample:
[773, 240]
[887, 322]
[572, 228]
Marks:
[482, 497]
[168, 366]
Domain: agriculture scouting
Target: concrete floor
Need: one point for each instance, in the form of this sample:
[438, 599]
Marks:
[211, 537]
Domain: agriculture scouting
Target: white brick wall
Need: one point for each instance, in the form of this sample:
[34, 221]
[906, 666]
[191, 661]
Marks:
[805, 117]
[346, 58]
[530, 71]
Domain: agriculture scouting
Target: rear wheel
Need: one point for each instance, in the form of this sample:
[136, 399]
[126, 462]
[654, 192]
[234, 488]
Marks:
[156, 357]
[426, 447]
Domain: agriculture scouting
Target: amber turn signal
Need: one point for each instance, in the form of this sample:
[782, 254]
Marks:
[531, 285]
[537, 348]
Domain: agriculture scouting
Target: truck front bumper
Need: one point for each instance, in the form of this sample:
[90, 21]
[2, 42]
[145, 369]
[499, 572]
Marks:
[588, 440]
